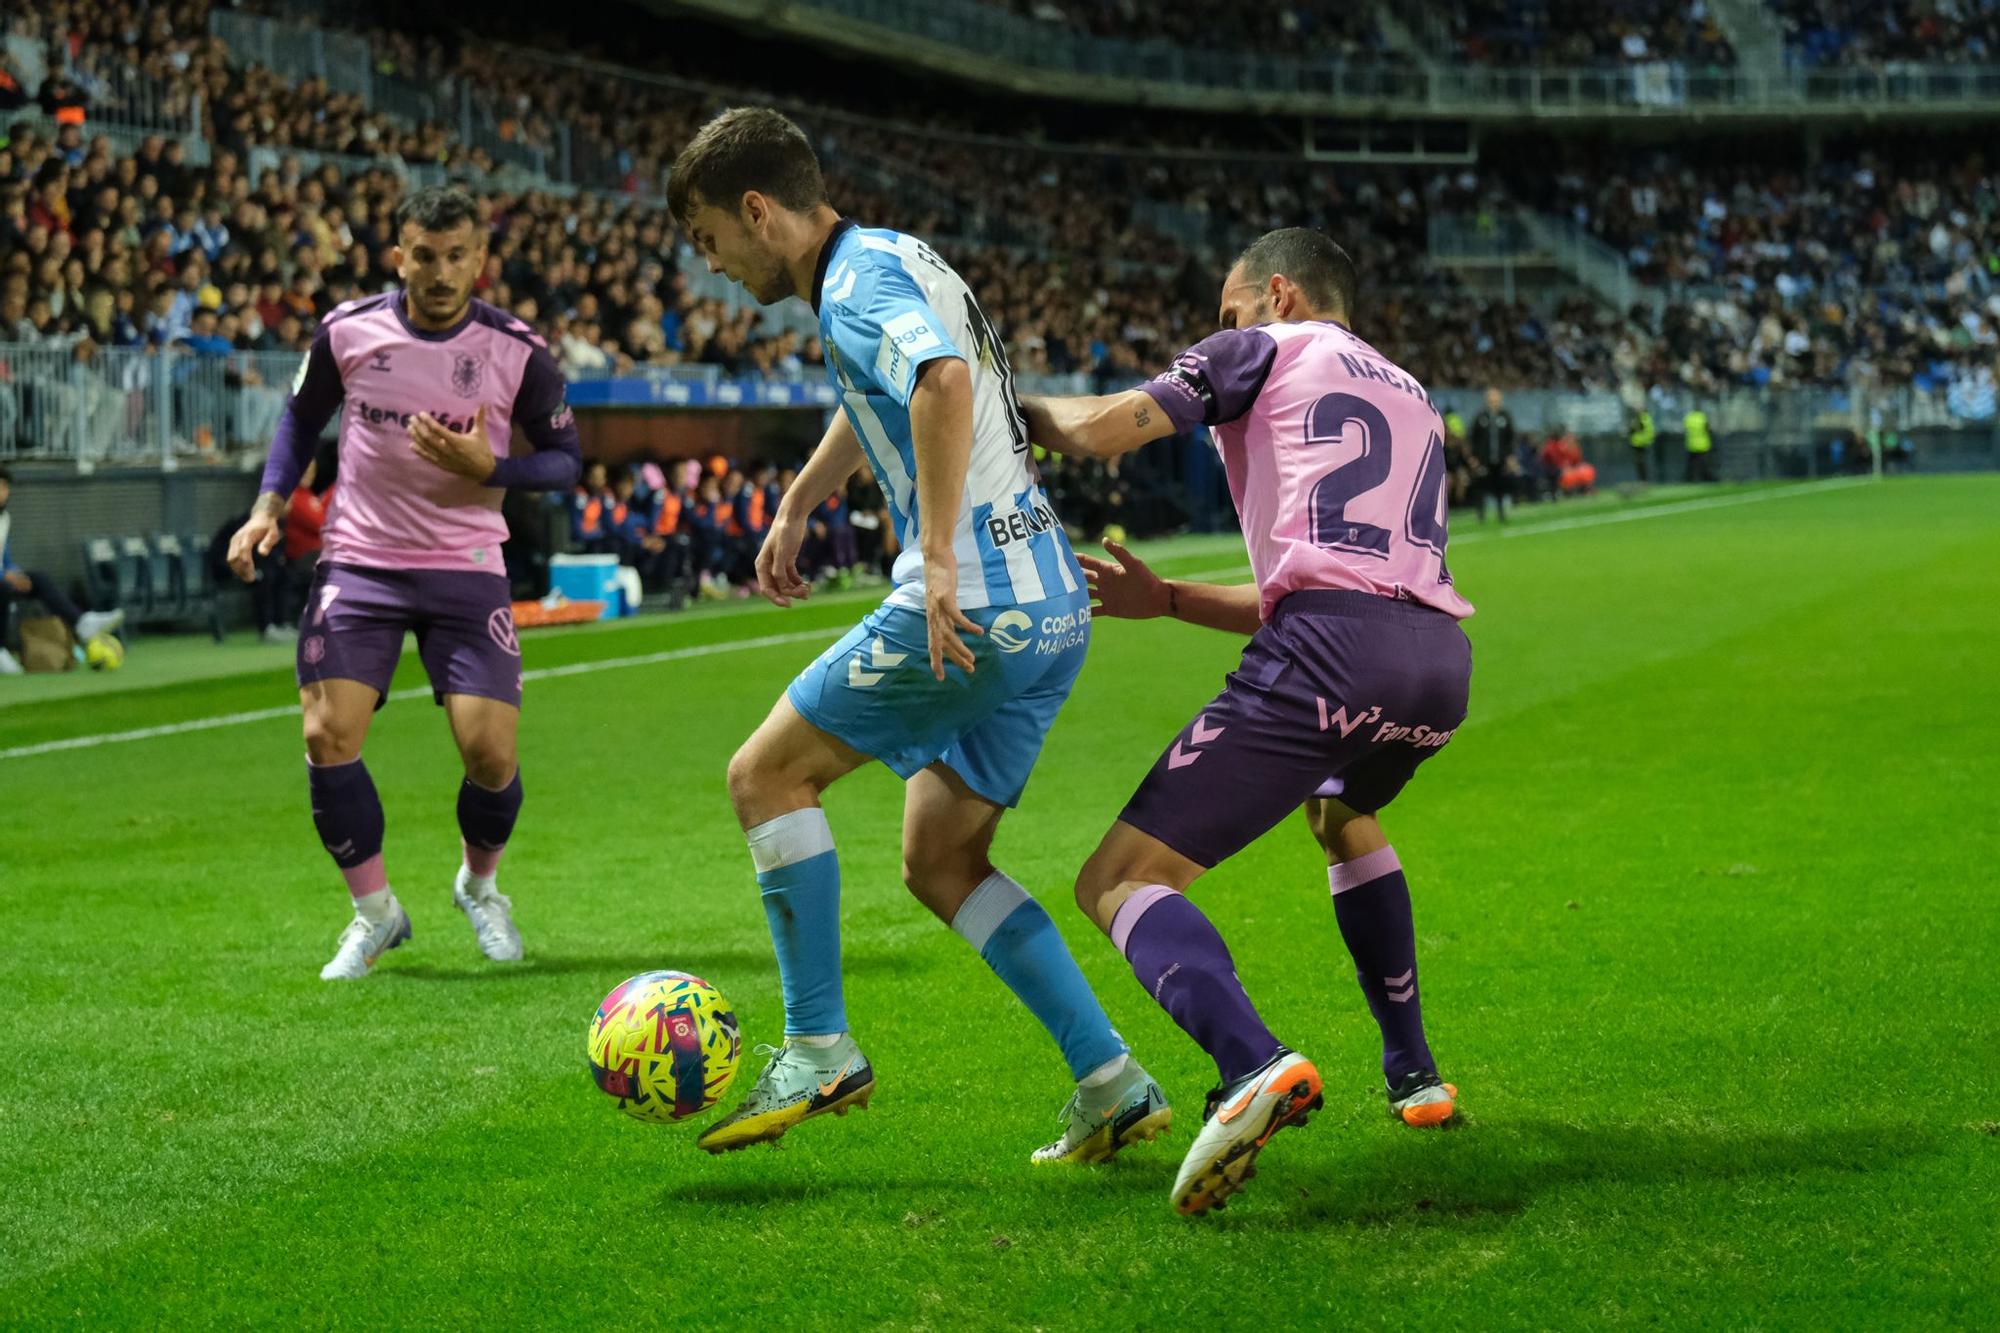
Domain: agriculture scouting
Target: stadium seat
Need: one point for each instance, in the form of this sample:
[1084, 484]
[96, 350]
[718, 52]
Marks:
[163, 576]
[135, 579]
[199, 582]
[100, 573]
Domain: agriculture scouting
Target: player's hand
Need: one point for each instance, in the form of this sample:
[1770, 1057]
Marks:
[778, 576]
[469, 455]
[256, 538]
[942, 616]
[1127, 590]
[19, 581]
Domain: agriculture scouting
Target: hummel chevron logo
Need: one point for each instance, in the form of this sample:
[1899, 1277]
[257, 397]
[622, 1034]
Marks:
[1201, 734]
[840, 284]
[880, 660]
[1407, 981]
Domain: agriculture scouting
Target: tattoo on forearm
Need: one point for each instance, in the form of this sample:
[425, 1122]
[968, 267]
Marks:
[1142, 418]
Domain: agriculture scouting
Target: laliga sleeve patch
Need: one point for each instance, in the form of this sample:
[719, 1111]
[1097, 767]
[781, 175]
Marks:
[904, 340]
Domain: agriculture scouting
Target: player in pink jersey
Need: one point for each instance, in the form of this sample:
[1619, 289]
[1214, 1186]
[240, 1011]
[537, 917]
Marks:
[430, 377]
[1355, 673]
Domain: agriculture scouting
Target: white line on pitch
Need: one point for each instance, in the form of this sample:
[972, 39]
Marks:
[802, 636]
[420, 691]
[1616, 516]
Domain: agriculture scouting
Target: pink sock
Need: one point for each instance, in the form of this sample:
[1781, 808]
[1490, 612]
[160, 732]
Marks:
[367, 879]
[482, 861]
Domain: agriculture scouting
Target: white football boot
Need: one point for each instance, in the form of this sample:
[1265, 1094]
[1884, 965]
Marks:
[1240, 1120]
[93, 623]
[491, 913]
[799, 1083]
[1097, 1122]
[364, 941]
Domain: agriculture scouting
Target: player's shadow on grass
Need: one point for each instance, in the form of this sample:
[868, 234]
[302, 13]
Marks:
[1496, 1170]
[734, 962]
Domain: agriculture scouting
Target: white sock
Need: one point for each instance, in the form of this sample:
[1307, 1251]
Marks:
[818, 1043]
[1105, 1072]
[375, 908]
[480, 884]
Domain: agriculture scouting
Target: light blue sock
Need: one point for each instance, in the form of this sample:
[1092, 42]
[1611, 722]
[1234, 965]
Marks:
[800, 877]
[1019, 942]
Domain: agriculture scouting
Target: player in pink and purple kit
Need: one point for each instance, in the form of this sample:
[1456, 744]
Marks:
[1355, 673]
[412, 542]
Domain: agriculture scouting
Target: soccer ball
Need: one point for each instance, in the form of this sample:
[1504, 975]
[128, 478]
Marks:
[104, 653]
[665, 1045]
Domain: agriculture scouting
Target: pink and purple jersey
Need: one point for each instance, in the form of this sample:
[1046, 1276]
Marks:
[392, 509]
[1335, 460]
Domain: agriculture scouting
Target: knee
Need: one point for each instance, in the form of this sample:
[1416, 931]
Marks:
[489, 764]
[930, 873]
[1094, 883]
[746, 777]
[1321, 823]
[327, 742]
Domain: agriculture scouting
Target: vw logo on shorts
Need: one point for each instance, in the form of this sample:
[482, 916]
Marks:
[1010, 631]
[500, 625]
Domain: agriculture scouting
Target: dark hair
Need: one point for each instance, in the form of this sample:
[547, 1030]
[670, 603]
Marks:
[1320, 268]
[745, 148]
[437, 208]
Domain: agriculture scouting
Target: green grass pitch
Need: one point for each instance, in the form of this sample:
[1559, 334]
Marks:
[1706, 902]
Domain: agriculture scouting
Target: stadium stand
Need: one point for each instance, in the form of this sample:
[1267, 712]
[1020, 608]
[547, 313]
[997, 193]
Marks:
[186, 189]
[1884, 32]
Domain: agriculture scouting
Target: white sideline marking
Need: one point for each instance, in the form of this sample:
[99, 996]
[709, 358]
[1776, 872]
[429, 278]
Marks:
[802, 636]
[421, 691]
[1481, 534]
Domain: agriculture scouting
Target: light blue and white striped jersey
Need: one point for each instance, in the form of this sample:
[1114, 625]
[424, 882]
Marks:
[887, 304]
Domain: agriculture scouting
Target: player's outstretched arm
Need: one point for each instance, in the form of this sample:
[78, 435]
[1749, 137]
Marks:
[1130, 590]
[941, 437]
[1099, 427]
[832, 463]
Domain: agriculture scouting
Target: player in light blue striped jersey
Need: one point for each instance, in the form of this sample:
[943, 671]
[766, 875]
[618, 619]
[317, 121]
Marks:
[952, 682]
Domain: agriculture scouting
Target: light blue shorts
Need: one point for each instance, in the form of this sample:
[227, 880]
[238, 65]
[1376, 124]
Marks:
[874, 690]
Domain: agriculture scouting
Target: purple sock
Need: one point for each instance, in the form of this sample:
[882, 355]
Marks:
[1184, 965]
[486, 821]
[348, 814]
[1371, 900]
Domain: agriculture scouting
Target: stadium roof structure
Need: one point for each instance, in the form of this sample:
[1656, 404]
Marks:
[975, 43]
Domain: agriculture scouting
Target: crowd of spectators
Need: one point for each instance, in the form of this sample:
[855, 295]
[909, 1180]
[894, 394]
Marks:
[691, 527]
[1337, 29]
[1886, 33]
[1583, 32]
[1478, 32]
[1859, 269]
[1089, 260]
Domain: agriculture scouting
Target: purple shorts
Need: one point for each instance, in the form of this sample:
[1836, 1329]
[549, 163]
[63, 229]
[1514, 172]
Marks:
[354, 620]
[1341, 694]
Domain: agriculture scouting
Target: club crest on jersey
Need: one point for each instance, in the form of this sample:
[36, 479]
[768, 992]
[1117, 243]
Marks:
[466, 373]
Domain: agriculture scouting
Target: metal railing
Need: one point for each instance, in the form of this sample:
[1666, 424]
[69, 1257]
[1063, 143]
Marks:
[1002, 40]
[1522, 237]
[299, 52]
[101, 406]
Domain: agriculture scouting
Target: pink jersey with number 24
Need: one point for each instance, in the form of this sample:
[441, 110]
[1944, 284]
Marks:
[1335, 460]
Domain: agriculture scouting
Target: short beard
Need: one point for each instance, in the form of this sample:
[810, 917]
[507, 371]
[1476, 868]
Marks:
[776, 285]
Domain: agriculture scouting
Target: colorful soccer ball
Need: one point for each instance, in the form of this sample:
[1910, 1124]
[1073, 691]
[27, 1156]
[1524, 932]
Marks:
[104, 653]
[665, 1045]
